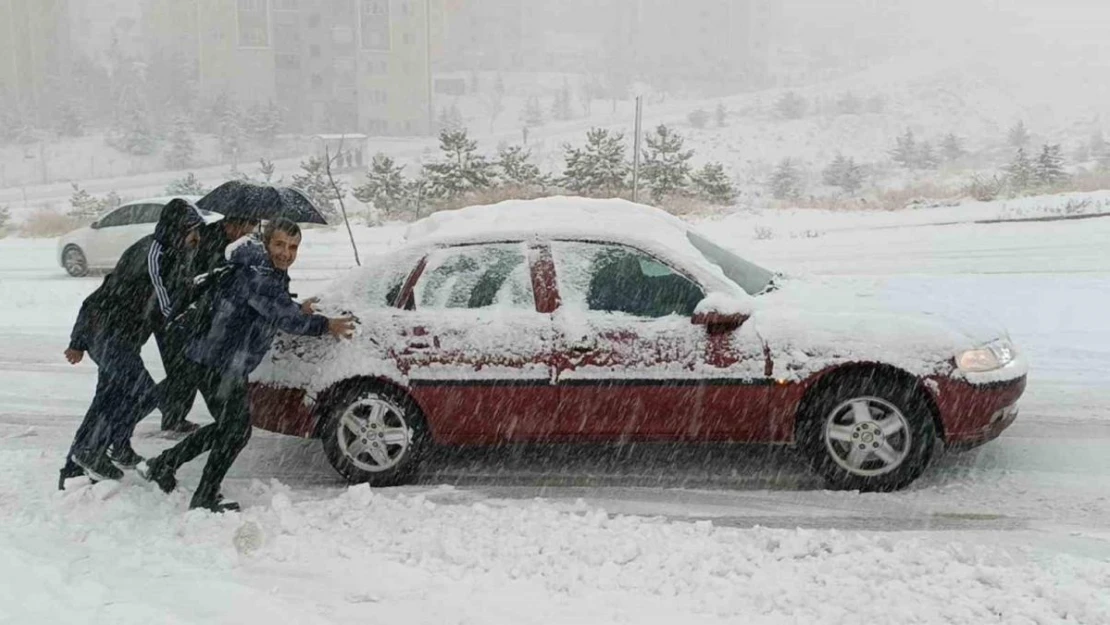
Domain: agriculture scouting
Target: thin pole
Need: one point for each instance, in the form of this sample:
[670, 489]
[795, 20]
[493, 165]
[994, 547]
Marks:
[428, 61]
[339, 196]
[636, 150]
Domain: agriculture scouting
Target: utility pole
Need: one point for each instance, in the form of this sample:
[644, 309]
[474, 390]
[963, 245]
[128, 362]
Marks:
[428, 62]
[636, 150]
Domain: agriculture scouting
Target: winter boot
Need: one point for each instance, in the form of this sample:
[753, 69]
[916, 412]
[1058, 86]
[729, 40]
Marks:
[154, 470]
[124, 456]
[70, 470]
[97, 465]
[215, 504]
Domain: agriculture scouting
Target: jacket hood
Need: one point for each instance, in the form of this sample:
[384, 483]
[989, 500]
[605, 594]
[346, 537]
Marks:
[178, 217]
[247, 251]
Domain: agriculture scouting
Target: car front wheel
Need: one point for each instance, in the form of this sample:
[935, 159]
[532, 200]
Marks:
[74, 262]
[374, 434]
[874, 433]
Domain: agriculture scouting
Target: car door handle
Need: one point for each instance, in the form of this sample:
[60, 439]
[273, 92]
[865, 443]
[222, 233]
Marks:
[582, 349]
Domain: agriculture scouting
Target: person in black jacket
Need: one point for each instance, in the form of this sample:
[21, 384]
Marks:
[248, 310]
[112, 325]
[178, 390]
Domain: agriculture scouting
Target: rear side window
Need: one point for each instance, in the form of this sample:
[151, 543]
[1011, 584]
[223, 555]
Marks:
[605, 277]
[476, 276]
[148, 213]
[122, 216]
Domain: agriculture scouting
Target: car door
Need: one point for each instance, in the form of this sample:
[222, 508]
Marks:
[474, 347]
[630, 363]
[142, 220]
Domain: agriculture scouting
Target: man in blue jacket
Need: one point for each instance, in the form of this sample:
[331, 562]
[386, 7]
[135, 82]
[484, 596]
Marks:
[248, 310]
[112, 325]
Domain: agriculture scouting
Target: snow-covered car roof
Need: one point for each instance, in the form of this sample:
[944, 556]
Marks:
[162, 199]
[571, 218]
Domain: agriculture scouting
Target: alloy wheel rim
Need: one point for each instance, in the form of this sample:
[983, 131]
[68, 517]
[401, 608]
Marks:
[373, 434]
[867, 436]
[74, 261]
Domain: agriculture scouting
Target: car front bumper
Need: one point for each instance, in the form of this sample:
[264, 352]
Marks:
[974, 414]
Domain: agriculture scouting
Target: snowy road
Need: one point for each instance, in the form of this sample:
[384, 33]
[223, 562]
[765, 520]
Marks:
[1018, 531]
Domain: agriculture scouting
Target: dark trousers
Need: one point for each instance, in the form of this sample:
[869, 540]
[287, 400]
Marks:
[124, 393]
[226, 397]
[179, 388]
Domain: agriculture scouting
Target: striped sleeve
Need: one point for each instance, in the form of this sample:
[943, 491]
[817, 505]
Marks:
[154, 267]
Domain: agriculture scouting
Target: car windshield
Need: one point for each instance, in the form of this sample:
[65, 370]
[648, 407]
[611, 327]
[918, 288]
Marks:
[748, 276]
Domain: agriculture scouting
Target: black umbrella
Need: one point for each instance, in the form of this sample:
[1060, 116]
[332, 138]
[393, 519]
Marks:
[239, 199]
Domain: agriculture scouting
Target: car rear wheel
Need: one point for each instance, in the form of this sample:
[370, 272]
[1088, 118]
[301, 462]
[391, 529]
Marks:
[374, 434]
[74, 261]
[869, 433]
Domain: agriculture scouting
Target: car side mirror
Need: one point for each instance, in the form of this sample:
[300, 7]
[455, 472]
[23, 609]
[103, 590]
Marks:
[721, 313]
[95, 225]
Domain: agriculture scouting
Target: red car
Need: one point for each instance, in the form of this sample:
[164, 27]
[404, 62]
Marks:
[572, 320]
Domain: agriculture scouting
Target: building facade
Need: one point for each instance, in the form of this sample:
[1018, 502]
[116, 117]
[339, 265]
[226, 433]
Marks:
[35, 53]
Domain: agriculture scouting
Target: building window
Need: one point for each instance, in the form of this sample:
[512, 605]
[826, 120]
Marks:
[317, 81]
[374, 24]
[377, 96]
[406, 8]
[254, 25]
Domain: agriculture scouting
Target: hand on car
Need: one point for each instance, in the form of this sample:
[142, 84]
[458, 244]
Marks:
[341, 327]
[309, 305]
[74, 356]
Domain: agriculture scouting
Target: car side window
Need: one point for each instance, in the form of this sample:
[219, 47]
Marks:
[122, 216]
[148, 213]
[613, 278]
[476, 276]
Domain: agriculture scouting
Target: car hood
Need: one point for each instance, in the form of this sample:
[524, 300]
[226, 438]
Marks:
[810, 324]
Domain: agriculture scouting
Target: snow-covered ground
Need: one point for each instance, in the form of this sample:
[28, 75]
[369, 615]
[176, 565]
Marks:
[1016, 532]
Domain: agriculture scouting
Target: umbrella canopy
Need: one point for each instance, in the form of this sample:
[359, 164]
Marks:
[240, 199]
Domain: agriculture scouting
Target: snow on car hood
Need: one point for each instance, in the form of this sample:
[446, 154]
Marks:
[811, 324]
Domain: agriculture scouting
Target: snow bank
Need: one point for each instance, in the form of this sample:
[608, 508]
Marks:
[127, 554]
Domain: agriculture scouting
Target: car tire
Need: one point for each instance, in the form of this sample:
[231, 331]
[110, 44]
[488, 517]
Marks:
[868, 432]
[74, 261]
[373, 433]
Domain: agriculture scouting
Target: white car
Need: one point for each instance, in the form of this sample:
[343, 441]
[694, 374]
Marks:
[99, 245]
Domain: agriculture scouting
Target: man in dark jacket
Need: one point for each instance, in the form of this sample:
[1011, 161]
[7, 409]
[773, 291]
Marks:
[114, 322]
[178, 390]
[249, 308]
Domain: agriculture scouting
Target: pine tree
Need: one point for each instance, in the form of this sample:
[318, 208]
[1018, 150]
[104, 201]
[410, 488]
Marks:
[905, 152]
[189, 185]
[314, 183]
[845, 173]
[791, 106]
[385, 185]
[666, 164]
[712, 185]
[265, 123]
[599, 167]
[1020, 171]
[71, 118]
[1098, 145]
[698, 118]
[181, 148]
[515, 167]
[1049, 168]
[231, 133]
[84, 207]
[926, 156]
[266, 168]
[5, 217]
[133, 132]
[952, 147]
[418, 192]
[561, 105]
[1018, 136]
[786, 181]
[533, 115]
[462, 169]
[722, 115]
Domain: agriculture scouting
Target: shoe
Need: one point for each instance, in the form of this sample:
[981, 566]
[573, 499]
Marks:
[218, 505]
[70, 470]
[124, 456]
[183, 427]
[154, 470]
[97, 466]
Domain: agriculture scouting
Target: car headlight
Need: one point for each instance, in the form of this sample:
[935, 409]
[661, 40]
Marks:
[989, 357]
